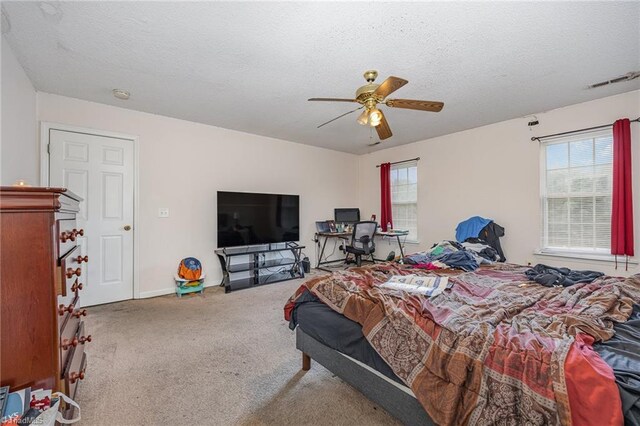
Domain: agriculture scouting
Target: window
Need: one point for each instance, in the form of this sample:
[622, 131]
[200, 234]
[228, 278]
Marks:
[577, 180]
[404, 198]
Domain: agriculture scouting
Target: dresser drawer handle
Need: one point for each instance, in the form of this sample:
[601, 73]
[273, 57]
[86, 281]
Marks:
[66, 343]
[84, 339]
[62, 309]
[73, 376]
[81, 259]
[71, 236]
[71, 272]
[80, 313]
[76, 287]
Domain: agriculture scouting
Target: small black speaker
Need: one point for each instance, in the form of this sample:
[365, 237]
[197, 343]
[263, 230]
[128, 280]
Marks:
[306, 265]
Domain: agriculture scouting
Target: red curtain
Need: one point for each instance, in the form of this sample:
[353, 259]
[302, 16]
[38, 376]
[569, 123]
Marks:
[622, 208]
[385, 196]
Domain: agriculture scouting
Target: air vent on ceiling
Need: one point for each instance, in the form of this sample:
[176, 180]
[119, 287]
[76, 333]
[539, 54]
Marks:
[627, 77]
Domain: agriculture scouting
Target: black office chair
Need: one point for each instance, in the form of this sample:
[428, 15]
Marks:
[362, 243]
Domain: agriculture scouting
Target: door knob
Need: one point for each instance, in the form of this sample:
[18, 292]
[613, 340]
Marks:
[127, 227]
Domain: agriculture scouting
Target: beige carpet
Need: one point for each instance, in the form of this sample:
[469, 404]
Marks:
[221, 359]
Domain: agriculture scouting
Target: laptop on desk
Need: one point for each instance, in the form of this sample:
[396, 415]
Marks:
[322, 227]
[328, 227]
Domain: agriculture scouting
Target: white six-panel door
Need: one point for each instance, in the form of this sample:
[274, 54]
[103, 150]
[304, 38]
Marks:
[100, 170]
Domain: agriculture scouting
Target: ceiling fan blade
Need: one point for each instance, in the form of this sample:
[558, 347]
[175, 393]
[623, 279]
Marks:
[415, 104]
[332, 100]
[340, 116]
[383, 129]
[389, 86]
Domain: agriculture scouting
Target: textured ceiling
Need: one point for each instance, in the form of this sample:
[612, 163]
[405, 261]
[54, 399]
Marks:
[251, 66]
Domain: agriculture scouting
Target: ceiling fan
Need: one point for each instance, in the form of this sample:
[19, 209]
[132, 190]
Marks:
[372, 94]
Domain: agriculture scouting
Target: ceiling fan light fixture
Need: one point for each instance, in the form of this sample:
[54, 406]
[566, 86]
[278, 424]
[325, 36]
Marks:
[371, 95]
[375, 117]
[363, 119]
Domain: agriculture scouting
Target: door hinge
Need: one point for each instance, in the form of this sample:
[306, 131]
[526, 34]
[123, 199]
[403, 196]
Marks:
[48, 148]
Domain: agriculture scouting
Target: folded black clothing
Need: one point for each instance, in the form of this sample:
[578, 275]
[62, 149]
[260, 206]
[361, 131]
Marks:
[550, 276]
[489, 253]
[493, 252]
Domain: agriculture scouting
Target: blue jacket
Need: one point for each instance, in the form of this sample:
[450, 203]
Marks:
[471, 227]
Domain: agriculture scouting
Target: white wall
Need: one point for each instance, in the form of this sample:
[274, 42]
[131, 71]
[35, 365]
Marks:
[183, 164]
[19, 156]
[493, 171]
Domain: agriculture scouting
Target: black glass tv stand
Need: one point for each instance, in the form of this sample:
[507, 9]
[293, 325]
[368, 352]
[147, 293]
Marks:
[256, 269]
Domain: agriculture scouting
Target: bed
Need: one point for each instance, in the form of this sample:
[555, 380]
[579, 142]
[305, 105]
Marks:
[495, 348]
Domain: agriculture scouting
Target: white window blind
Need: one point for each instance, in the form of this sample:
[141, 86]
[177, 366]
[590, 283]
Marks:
[577, 180]
[404, 198]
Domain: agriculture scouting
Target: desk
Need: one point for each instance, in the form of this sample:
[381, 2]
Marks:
[347, 235]
[326, 236]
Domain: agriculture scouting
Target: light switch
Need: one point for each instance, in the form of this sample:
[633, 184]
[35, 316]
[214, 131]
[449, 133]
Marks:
[163, 212]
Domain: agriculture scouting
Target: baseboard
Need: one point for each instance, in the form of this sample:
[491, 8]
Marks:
[165, 291]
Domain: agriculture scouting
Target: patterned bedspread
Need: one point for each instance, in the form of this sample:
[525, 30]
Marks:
[496, 348]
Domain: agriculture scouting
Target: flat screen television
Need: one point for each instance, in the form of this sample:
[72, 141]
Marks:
[247, 218]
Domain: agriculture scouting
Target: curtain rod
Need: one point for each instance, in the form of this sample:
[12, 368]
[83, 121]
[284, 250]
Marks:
[403, 161]
[538, 138]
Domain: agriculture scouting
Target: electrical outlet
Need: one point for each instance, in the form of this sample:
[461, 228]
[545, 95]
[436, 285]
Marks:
[163, 212]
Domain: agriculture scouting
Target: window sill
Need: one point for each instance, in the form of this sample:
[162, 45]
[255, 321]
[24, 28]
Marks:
[585, 256]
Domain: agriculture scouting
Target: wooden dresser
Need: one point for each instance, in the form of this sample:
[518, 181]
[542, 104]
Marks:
[43, 335]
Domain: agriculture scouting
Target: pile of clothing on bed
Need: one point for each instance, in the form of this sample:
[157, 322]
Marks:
[478, 243]
[479, 229]
[452, 254]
